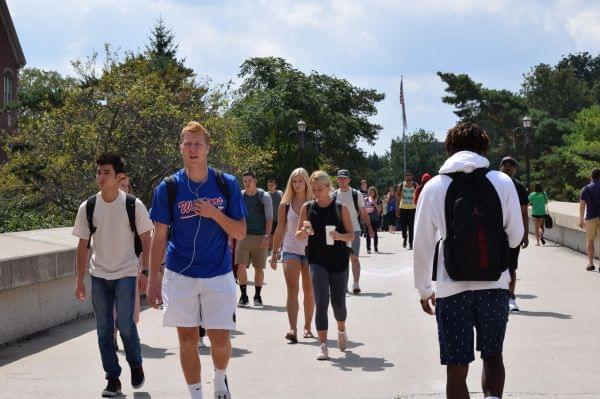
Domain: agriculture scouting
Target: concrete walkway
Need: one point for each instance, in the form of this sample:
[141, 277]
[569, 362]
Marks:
[551, 351]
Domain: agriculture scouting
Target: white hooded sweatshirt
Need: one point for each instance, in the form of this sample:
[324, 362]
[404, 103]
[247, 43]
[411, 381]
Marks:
[430, 226]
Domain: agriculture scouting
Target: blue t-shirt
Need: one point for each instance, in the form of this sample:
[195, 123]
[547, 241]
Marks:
[211, 256]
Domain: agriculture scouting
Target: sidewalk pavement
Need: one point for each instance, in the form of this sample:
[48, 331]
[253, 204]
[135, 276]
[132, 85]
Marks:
[551, 347]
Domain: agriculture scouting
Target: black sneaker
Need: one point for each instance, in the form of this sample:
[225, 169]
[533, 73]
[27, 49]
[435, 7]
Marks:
[542, 240]
[243, 300]
[258, 301]
[404, 243]
[113, 388]
[137, 377]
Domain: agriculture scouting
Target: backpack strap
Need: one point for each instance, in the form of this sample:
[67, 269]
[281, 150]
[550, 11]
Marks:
[355, 199]
[90, 204]
[171, 196]
[222, 184]
[130, 207]
[435, 260]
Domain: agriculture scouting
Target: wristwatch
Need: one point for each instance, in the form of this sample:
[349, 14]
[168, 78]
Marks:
[267, 236]
[146, 272]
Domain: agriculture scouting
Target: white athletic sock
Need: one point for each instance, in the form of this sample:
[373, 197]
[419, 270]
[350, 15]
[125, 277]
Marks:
[219, 380]
[195, 391]
[354, 285]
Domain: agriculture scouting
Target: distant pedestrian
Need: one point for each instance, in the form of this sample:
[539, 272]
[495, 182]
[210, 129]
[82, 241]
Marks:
[327, 225]
[589, 201]
[125, 186]
[110, 220]
[508, 165]
[356, 206]
[424, 179]
[391, 209]
[364, 188]
[373, 208]
[275, 200]
[539, 201]
[254, 247]
[295, 261]
[476, 213]
[406, 208]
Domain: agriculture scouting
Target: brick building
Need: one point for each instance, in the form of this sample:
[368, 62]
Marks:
[11, 61]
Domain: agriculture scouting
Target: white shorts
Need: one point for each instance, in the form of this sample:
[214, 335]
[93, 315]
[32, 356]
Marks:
[192, 302]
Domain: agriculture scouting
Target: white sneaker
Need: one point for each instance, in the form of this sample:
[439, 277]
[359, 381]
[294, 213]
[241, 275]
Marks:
[512, 305]
[323, 352]
[342, 340]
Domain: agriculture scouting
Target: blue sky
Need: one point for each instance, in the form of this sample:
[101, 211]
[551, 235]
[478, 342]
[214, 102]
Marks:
[371, 43]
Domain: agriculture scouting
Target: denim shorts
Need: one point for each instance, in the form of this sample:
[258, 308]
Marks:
[356, 243]
[457, 315]
[303, 259]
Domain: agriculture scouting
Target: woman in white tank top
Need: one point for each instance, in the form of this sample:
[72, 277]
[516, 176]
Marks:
[295, 262]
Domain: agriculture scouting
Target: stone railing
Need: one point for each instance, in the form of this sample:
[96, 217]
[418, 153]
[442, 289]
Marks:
[37, 273]
[37, 282]
[566, 230]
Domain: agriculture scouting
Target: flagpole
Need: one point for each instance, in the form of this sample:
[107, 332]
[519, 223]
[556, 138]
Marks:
[403, 122]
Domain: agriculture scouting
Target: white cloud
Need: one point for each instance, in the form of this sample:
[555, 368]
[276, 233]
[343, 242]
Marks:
[584, 27]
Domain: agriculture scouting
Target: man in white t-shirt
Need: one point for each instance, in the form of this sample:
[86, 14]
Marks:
[113, 267]
[355, 203]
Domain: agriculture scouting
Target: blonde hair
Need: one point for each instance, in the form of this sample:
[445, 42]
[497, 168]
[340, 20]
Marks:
[289, 194]
[375, 190]
[194, 128]
[320, 177]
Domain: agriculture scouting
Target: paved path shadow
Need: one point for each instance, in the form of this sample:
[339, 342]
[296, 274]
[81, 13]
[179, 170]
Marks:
[374, 294]
[554, 315]
[46, 339]
[151, 352]
[352, 361]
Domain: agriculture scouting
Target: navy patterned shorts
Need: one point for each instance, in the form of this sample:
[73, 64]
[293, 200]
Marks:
[457, 315]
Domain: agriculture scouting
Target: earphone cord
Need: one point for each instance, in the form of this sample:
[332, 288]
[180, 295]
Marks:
[195, 192]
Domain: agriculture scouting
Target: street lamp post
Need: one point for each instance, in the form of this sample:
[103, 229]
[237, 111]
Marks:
[302, 139]
[527, 127]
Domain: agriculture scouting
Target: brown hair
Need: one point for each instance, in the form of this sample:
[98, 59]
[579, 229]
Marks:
[467, 136]
[195, 128]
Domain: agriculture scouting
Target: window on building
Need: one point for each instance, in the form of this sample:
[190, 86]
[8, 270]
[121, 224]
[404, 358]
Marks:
[8, 87]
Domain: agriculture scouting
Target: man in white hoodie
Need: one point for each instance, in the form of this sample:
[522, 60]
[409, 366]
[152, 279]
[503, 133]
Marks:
[461, 304]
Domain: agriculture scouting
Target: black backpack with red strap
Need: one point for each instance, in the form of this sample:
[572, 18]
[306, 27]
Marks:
[476, 245]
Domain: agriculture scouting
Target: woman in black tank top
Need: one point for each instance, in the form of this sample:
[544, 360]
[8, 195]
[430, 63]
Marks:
[328, 263]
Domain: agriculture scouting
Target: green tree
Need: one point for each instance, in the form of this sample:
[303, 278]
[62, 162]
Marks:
[424, 154]
[274, 96]
[565, 169]
[499, 112]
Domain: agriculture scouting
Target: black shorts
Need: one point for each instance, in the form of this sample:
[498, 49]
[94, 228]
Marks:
[484, 310]
[513, 258]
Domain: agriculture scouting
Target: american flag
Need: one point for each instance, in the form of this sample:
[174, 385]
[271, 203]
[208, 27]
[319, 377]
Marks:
[403, 105]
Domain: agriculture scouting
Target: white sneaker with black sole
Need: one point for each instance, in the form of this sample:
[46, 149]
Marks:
[512, 305]
[323, 352]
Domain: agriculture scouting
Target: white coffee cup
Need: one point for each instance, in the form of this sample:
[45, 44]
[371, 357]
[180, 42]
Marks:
[328, 238]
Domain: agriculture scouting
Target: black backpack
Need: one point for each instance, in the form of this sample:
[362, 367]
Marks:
[172, 192]
[476, 245]
[129, 206]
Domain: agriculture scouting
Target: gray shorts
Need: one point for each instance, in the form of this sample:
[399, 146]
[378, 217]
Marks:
[356, 244]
